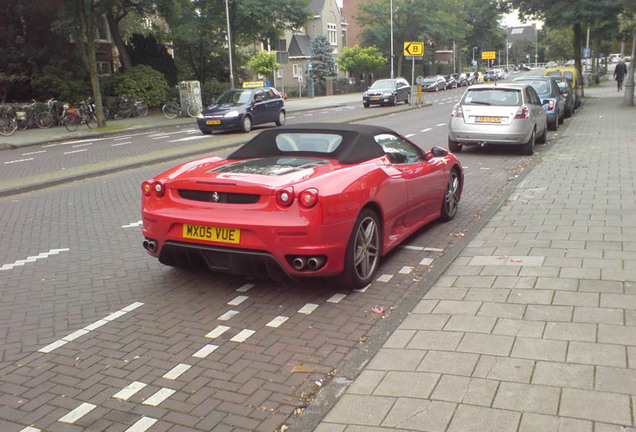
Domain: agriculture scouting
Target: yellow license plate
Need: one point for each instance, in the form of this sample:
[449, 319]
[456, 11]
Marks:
[213, 122]
[488, 119]
[216, 234]
[375, 99]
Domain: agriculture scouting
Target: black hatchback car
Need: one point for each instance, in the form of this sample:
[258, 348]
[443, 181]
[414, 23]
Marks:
[387, 92]
[240, 109]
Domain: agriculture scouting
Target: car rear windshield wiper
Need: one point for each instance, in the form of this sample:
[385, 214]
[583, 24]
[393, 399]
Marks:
[479, 103]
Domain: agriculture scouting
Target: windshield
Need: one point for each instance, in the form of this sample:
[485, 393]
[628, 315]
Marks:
[498, 97]
[382, 84]
[429, 80]
[238, 96]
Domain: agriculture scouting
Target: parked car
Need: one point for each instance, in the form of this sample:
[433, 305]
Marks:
[387, 92]
[434, 83]
[451, 82]
[567, 91]
[551, 64]
[572, 74]
[509, 114]
[240, 109]
[304, 200]
[461, 79]
[551, 98]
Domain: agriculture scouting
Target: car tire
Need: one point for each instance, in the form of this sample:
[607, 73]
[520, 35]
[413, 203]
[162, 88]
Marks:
[553, 125]
[407, 101]
[395, 100]
[454, 146]
[246, 124]
[451, 197]
[363, 251]
[281, 118]
[366, 104]
[528, 147]
[561, 118]
[543, 138]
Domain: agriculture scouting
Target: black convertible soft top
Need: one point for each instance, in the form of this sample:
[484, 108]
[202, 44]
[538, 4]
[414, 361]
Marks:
[358, 142]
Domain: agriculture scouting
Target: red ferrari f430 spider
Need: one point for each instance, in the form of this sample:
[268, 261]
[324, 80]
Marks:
[308, 200]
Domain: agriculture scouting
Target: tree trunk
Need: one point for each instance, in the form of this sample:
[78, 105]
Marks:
[87, 26]
[113, 26]
[576, 41]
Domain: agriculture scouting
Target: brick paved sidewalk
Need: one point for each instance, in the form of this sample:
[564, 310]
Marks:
[533, 326]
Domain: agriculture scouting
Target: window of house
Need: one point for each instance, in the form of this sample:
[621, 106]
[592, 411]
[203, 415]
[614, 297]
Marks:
[295, 70]
[332, 34]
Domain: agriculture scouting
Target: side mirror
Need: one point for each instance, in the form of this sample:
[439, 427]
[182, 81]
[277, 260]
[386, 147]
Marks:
[439, 152]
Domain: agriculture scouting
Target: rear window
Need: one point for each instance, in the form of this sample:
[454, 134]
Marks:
[308, 142]
[568, 75]
[553, 73]
[497, 97]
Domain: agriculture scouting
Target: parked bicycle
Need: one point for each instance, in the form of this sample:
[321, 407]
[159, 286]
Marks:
[27, 115]
[76, 116]
[173, 109]
[52, 115]
[8, 122]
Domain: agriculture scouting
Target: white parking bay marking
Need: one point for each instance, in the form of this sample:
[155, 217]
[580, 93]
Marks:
[82, 145]
[159, 397]
[218, 331]
[33, 153]
[426, 261]
[205, 351]
[406, 270]
[237, 300]
[385, 278]
[121, 144]
[76, 334]
[336, 298]
[242, 335]
[409, 135]
[129, 390]
[78, 413]
[441, 124]
[33, 258]
[245, 288]
[18, 161]
[142, 425]
[228, 315]
[133, 224]
[426, 130]
[277, 322]
[177, 371]
[308, 308]
[30, 429]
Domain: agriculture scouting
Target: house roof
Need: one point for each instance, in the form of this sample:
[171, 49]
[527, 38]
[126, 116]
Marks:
[522, 33]
[300, 46]
[317, 6]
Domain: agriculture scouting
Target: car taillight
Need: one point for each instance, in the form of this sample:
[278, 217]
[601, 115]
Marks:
[457, 111]
[308, 198]
[550, 105]
[523, 113]
[285, 197]
[150, 187]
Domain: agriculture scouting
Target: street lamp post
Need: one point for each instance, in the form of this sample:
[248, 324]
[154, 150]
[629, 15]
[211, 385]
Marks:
[474, 64]
[391, 19]
[229, 42]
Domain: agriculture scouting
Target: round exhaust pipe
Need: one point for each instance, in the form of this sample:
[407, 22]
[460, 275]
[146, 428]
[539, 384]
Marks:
[298, 263]
[150, 245]
[315, 262]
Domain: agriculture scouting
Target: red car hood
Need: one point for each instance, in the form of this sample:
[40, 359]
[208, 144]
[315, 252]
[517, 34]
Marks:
[251, 175]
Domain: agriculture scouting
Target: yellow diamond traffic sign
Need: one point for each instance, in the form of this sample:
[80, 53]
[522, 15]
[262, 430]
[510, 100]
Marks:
[413, 48]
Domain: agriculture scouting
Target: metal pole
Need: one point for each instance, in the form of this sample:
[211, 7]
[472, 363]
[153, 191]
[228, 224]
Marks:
[391, 15]
[229, 42]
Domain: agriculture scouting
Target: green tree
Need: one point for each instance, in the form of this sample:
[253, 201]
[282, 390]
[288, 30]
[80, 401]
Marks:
[264, 63]
[361, 61]
[146, 50]
[559, 43]
[323, 63]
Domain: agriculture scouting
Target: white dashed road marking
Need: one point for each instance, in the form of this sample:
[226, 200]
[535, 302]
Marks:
[308, 308]
[217, 332]
[242, 335]
[58, 343]
[277, 322]
[159, 397]
[129, 390]
[133, 225]
[336, 298]
[205, 351]
[18, 161]
[31, 259]
[227, 315]
[237, 301]
[75, 151]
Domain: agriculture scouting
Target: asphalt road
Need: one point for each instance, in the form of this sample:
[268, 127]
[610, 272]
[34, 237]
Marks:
[97, 335]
